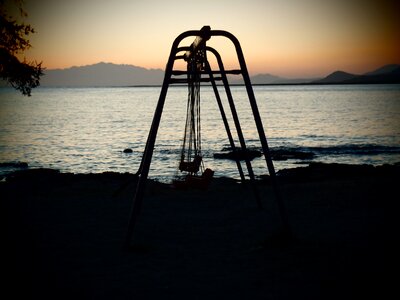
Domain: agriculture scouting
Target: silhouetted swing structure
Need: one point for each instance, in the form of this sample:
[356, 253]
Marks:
[199, 70]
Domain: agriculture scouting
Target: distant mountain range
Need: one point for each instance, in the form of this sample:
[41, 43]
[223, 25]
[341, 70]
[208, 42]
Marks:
[385, 74]
[102, 74]
[109, 74]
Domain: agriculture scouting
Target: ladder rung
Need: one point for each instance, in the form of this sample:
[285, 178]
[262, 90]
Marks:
[179, 72]
[182, 72]
[234, 72]
[184, 80]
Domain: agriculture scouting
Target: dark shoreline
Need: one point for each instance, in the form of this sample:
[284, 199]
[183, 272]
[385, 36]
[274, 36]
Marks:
[313, 171]
[64, 236]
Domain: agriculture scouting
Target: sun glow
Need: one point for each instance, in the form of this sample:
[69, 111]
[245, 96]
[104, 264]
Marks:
[286, 38]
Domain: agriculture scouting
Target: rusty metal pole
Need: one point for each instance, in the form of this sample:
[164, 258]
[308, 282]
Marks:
[146, 160]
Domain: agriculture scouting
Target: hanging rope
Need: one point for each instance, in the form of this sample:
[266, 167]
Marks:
[191, 160]
[191, 157]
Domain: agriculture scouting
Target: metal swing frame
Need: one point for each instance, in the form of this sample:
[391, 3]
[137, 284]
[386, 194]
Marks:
[174, 77]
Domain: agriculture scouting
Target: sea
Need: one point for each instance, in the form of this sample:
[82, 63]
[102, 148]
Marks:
[86, 130]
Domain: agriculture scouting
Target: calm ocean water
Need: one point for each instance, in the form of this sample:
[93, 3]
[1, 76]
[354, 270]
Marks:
[86, 129]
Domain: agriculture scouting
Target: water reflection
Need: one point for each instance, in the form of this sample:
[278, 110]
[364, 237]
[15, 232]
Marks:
[86, 129]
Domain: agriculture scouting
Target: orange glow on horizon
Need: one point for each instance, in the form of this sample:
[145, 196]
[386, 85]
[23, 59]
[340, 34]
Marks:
[304, 38]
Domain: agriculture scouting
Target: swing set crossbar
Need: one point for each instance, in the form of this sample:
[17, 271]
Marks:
[184, 80]
[214, 72]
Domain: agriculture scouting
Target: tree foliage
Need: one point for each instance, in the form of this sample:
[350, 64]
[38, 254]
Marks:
[22, 75]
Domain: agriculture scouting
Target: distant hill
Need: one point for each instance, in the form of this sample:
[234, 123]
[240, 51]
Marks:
[336, 77]
[102, 74]
[385, 74]
[384, 70]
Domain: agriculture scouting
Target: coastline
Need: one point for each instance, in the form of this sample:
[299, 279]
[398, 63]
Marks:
[64, 235]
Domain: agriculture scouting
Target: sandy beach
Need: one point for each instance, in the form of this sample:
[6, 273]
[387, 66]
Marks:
[64, 237]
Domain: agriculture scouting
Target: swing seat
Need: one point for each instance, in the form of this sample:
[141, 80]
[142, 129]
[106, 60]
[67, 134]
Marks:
[191, 166]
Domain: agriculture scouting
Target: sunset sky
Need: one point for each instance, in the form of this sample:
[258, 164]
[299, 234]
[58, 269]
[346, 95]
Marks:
[290, 38]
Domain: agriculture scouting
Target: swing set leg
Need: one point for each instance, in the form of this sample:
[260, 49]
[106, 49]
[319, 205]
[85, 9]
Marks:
[225, 121]
[237, 125]
[260, 128]
[148, 153]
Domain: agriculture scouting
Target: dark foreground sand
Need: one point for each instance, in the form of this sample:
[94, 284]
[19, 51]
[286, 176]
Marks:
[64, 237]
